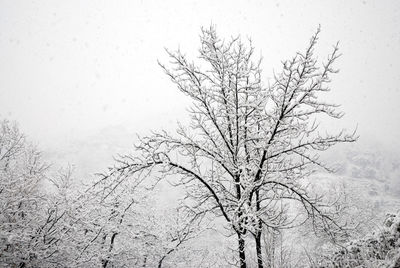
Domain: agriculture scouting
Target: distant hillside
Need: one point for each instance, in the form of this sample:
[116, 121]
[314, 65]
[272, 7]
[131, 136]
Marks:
[369, 163]
[372, 170]
[94, 153]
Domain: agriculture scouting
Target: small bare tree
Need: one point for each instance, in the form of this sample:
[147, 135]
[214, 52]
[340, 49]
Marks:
[126, 229]
[248, 147]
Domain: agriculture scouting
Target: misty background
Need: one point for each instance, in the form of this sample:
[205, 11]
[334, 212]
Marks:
[81, 72]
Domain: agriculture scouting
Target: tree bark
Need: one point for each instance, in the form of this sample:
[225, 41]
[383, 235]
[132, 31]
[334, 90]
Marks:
[258, 250]
[242, 253]
[258, 234]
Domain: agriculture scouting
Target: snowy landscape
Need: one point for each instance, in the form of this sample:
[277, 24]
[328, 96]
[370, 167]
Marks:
[199, 134]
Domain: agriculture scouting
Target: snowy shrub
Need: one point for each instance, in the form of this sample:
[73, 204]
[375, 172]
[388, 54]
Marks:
[380, 249]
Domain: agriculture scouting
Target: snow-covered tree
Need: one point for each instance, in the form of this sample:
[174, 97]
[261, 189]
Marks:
[130, 231]
[22, 171]
[380, 248]
[50, 219]
[248, 146]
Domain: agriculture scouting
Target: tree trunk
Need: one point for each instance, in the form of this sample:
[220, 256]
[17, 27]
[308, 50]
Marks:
[242, 254]
[258, 234]
[258, 250]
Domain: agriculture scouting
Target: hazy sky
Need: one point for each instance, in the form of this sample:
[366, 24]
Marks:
[71, 68]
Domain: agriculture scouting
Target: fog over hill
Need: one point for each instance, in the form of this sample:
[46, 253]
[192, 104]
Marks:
[368, 166]
[371, 162]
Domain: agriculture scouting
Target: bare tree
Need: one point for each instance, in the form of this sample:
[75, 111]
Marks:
[248, 147]
[127, 230]
[288, 141]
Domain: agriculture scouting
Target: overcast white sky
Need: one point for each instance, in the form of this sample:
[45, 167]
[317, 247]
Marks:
[71, 68]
